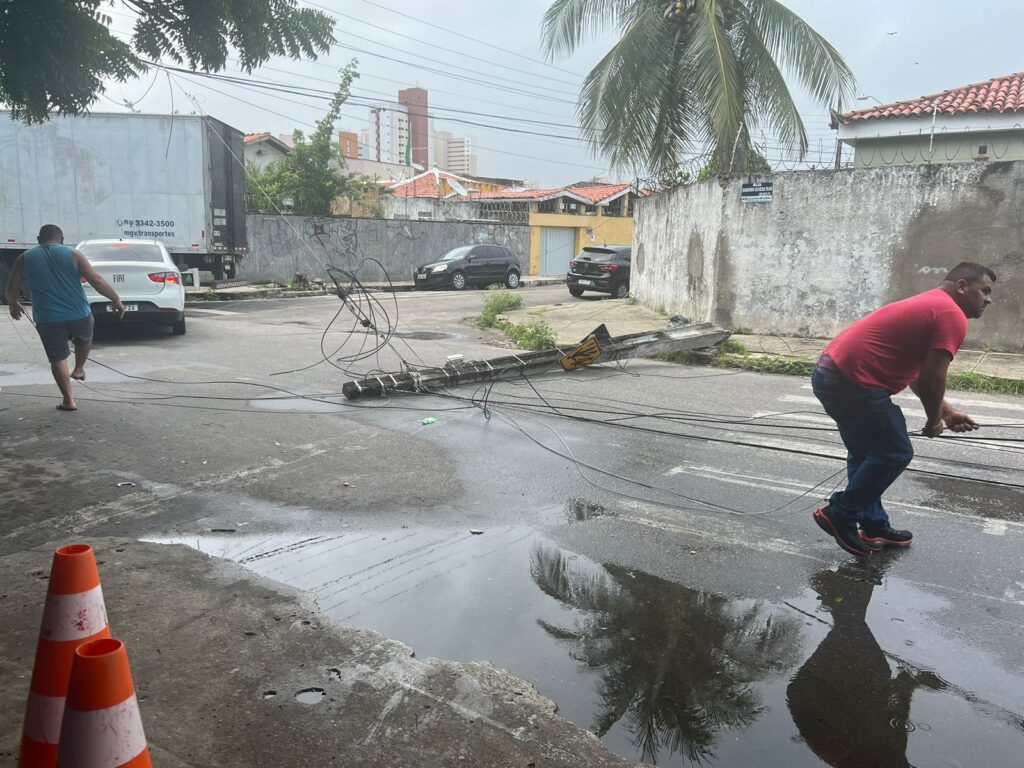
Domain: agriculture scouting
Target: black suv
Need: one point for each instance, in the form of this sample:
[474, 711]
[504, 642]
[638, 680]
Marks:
[470, 265]
[602, 268]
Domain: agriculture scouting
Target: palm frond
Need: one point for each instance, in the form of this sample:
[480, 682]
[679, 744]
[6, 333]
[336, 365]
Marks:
[632, 104]
[718, 83]
[803, 53]
[568, 22]
[770, 100]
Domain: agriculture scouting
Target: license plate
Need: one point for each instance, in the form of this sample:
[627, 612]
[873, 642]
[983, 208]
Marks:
[127, 308]
[585, 282]
[421, 277]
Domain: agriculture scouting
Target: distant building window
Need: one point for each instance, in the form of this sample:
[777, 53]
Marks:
[424, 215]
[982, 149]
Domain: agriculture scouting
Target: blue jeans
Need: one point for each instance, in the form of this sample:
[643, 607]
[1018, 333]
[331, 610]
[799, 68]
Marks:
[877, 444]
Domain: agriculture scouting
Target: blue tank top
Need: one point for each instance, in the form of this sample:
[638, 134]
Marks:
[55, 285]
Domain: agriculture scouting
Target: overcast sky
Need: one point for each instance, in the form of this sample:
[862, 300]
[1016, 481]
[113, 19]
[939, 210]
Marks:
[897, 49]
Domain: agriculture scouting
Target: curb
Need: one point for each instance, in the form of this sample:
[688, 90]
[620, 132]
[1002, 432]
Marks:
[214, 297]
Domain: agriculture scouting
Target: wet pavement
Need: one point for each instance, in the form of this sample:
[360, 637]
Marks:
[651, 567]
[846, 671]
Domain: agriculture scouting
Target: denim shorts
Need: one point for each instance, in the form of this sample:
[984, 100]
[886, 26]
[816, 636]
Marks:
[55, 336]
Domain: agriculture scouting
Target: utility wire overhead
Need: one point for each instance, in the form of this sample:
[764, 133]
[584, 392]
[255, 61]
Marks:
[518, 81]
[462, 54]
[473, 39]
[602, 169]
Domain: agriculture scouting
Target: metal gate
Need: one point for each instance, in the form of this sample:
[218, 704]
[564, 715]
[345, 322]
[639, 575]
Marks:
[557, 247]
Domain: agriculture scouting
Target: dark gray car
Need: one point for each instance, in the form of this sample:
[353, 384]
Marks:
[470, 265]
[602, 268]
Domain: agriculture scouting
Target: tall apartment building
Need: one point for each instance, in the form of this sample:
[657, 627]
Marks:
[387, 138]
[415, 102]
[454, 153]
[348, 143]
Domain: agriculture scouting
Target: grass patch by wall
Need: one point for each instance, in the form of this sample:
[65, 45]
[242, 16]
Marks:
[497, 303]
[731, 354]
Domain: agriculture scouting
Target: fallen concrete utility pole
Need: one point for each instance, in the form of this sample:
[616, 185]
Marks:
[464, 372]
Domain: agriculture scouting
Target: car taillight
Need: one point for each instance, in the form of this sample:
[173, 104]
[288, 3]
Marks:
[609, 267]
[170, 278]
[572, 264]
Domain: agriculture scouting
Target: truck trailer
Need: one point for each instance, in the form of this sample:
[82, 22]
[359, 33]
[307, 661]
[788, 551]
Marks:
[179, 179]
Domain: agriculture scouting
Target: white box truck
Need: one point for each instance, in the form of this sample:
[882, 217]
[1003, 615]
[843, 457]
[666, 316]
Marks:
[178, 179]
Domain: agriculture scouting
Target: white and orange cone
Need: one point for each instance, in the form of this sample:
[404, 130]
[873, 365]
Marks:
[74, 614]
[102, 727]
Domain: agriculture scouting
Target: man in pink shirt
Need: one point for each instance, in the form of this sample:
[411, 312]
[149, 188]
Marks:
[908, 343]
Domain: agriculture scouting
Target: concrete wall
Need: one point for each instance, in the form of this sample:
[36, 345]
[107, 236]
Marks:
[832, 246]
[280, 246]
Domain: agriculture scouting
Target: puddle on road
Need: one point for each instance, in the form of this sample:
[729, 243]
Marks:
[310, 695]
[852, 673]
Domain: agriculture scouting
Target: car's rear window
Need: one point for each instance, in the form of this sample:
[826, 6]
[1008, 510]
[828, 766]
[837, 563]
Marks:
[100, 252]
[598, 254]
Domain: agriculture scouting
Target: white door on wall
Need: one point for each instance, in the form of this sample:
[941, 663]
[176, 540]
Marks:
[557, 247]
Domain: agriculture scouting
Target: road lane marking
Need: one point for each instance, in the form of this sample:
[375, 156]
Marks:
[994, 527]
[786, 416]
[789, 486]
[973, 404]
[967, 402]
[204, 311]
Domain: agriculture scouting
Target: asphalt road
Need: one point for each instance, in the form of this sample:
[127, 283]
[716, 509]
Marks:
[651, 566]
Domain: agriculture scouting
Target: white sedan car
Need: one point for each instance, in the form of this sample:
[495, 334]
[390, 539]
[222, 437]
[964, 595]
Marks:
[144, 276]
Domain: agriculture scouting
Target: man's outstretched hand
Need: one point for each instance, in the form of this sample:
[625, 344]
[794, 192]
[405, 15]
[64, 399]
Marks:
[959, 422]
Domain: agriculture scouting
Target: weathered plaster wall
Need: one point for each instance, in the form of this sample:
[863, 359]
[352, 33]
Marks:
[280, 246]
[834, 245]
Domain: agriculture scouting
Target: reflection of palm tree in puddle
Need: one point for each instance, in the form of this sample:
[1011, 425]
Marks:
[676, 664]
[845, 702]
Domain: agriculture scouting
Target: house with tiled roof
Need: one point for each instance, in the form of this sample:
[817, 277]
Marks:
[565, 219]
[973, 123]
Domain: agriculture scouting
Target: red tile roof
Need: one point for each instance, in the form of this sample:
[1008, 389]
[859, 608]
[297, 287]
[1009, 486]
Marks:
[998, 95]
[417, 186]
[426, 184]
[602, 193]
[594, 195]
[249, 138]
[518, 194]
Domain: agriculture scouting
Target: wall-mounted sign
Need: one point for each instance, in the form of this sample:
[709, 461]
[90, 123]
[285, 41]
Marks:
[761, 192]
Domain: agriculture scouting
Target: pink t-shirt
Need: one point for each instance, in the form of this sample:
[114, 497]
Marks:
[886, 348]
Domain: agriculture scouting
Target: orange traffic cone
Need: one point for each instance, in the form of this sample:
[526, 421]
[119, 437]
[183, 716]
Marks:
[102, 727]
[74, 613]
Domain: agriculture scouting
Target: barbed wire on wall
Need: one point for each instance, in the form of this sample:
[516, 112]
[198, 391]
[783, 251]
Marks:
[917, 148]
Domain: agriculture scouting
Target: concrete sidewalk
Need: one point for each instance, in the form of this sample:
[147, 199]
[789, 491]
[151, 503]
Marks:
[219, 656]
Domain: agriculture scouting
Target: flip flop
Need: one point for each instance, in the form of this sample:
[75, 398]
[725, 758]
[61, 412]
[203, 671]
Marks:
[63, 407]
[78, 378]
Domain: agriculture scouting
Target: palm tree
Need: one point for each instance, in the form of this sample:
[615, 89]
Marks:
[677, 666]
[695, 77]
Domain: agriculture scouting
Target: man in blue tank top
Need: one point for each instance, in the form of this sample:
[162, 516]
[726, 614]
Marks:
[54, 273]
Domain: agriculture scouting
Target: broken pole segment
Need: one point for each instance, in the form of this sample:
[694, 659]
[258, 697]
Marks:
[646, 344]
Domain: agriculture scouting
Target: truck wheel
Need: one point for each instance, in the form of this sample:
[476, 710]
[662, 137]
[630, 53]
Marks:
[178, 328]
[217, 271]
